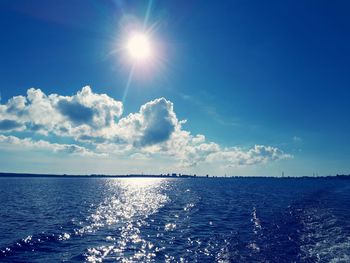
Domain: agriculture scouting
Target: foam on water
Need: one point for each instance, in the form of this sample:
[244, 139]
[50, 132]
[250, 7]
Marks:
[324, 239]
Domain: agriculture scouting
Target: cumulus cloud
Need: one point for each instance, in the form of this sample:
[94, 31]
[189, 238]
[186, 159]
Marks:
[75, 112]
[153, 124]
[83, 114]
[95, 120]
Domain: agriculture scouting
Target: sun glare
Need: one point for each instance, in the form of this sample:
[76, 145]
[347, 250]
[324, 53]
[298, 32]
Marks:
[139, 47]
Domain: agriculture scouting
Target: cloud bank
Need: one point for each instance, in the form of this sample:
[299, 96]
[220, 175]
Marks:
[29, 144]
[96, 127]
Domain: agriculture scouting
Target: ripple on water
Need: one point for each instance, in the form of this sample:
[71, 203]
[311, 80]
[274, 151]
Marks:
[126, 213]
[113, 220]
[324, 239]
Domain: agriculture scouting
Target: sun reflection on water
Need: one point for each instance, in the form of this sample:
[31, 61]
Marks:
[122, 214]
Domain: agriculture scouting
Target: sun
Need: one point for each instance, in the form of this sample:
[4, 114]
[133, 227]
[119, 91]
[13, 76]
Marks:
[139, 47]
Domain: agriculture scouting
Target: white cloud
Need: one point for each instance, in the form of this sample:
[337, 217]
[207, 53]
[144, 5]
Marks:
[153, 124]
[13, 142]
[94, 120]
[297, 139]
[259, 154]
[83, 114]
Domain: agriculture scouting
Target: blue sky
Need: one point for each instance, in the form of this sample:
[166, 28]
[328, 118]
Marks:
[242, 73]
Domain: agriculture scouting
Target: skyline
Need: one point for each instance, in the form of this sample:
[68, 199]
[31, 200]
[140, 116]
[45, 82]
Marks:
[258, 89]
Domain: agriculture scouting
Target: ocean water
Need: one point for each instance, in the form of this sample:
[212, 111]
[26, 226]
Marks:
[174, 220]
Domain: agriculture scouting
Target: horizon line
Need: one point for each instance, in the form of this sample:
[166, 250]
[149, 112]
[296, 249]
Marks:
[172, 175]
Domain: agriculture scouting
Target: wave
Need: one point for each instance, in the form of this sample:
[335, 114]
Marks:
[120, 217]
[324, 239]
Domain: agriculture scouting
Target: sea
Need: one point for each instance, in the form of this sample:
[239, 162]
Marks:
[46, 219]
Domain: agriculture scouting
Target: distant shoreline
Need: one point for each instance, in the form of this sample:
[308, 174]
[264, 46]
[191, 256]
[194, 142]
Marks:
[179, 176]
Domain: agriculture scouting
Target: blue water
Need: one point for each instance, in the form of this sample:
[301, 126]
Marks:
[174, 220]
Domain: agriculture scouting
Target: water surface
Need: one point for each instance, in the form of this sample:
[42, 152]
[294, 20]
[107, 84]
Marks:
[174, 220]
